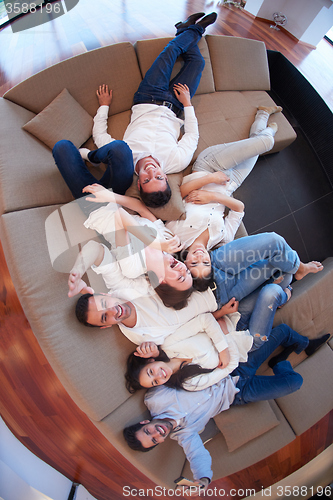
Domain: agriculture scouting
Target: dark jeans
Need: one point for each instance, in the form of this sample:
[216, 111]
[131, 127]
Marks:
[117, 156]
[285, 380]
[156, 84]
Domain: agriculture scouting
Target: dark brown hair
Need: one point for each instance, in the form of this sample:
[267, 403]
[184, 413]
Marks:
[176, 381]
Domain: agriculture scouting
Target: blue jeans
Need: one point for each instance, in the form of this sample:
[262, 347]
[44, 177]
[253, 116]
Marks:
[258, 310]
[117, 156]
[285, 381]
[156, 84]
[241, 266]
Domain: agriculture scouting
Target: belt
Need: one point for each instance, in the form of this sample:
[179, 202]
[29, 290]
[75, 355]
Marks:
[167, 104]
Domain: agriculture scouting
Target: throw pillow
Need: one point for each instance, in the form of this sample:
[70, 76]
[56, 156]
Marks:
[241, 424]
[174, 209]
[63, 118]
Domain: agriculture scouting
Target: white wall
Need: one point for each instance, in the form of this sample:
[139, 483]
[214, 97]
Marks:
[23, 476]
[308, 20]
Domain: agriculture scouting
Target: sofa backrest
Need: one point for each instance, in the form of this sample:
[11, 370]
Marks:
[238, 63]
[89, 362]
[81, 75]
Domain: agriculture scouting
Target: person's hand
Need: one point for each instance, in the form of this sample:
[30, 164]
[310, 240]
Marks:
[198, 487]
[173, 245]
[200, 197]
[76, 285]
[104, 96]
[230, 307]
[220, 178]
[147, 350]
[101, 194]
[224, 358]
[182, 92]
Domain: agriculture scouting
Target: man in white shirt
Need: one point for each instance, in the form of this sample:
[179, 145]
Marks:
[155, 124]
[132, 304]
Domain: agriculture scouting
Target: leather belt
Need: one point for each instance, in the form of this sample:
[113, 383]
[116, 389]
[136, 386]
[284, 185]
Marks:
[167, 104]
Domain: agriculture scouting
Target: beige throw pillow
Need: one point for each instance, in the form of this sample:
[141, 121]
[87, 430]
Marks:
[240, 424]
[63, 118]
[174, 209]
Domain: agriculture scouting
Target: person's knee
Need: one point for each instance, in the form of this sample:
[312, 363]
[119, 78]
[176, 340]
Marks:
[120, 150]
[295, 381]
[272, 294]
[61, 149]
[61, 146]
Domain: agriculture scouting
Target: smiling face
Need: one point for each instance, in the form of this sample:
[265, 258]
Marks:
[105, 310]
[151, 176]
[177, 275]
[154, 432]
[198, 261]
[154, 373]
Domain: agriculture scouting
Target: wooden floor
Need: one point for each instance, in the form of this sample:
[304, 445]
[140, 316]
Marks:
[32, 401]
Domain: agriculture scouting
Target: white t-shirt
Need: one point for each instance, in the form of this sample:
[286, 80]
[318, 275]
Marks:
[209, 215]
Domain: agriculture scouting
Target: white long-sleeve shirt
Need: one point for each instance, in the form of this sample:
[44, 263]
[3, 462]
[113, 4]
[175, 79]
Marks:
[207, 216]
[201, 339]
[154, 131]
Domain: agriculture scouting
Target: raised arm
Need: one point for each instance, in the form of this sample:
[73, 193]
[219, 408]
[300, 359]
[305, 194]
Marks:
[202, 197]
[192, 185]
[91, 253]
[201, 323]
[181, 155]
[102, 194]
[146, 234]
[99, 132]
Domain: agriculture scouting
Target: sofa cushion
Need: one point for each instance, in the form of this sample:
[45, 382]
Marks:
[238, 63]
[163, 464]
[227, 117]
[174, 209]
[81, 75]
[148, 50]
[89, 362]
[225, 462]
[21, 167]
[240, 424]
[63, 118]
[309, 310]
[314, 399]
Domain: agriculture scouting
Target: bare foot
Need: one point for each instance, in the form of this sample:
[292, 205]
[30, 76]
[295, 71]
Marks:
[273, 126]
[270, 109]
[310, 267]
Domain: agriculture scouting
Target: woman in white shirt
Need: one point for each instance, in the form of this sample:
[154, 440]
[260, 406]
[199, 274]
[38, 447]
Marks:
[194, 357]
[218, 171]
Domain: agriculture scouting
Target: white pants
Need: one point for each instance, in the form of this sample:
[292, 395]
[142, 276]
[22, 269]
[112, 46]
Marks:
[237, 159]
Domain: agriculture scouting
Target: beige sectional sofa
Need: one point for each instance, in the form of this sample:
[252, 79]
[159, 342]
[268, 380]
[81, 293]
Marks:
[41, 233]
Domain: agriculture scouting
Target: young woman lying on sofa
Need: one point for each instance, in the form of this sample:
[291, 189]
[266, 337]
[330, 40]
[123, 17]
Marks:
[246, 265]
[191, 361]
